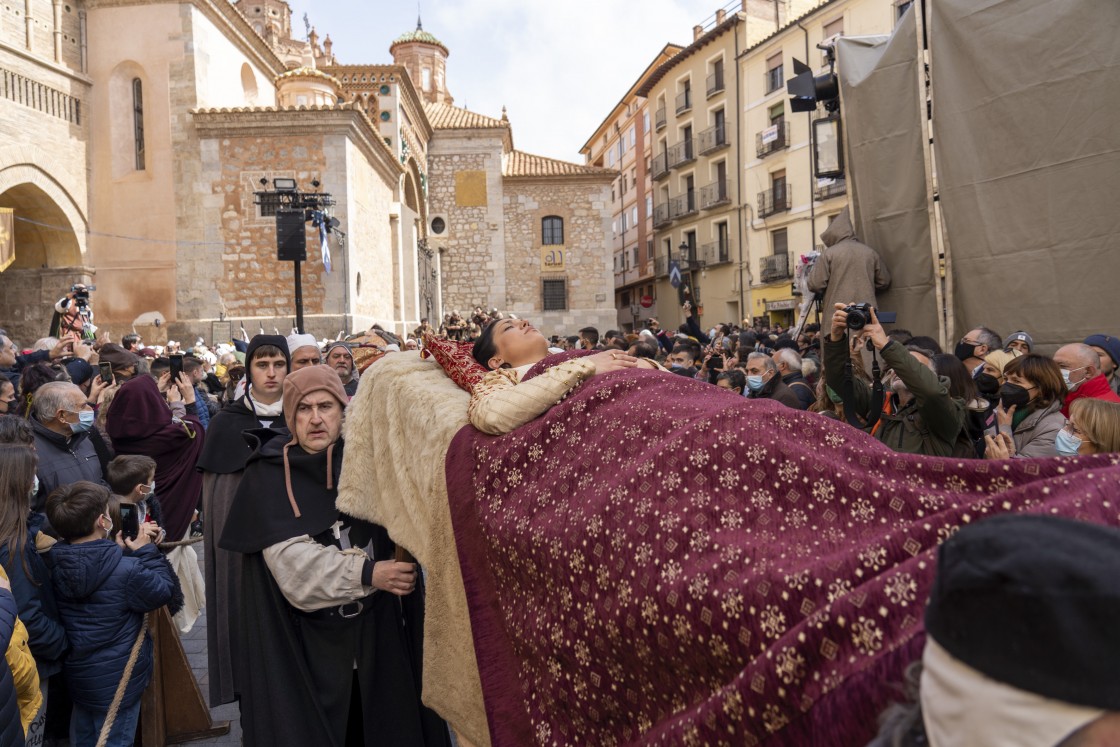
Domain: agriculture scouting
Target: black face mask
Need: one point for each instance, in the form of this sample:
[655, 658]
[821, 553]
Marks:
[988, 385]
[1014, 395]
[964, 350]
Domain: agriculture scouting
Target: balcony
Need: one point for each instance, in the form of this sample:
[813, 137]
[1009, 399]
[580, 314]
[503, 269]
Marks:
[681, 153]
[714, 194]
[774, 201]
[660, 267]
[712, 139]
[659, 166]
[775, 267]
[684, 101]
[683, 205]
[772, 139]
[715, 253]
[824, 192]
[715, 83]
[659, 119]
[661, 215]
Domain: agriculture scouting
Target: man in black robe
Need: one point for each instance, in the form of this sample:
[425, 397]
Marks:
[223, 464]
[330, 626]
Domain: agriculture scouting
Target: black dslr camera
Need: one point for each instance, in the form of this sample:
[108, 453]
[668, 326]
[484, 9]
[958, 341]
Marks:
[81, 293]
[859, 315]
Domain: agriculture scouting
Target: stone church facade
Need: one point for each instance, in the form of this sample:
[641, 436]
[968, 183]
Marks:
[131, 161]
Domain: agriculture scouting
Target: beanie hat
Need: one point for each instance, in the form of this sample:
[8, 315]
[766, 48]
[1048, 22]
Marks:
[1108, 343]
[1019, 336]
[275, 341]
[298, 385]
[1032, 601]
[80, 371]
[297, 341]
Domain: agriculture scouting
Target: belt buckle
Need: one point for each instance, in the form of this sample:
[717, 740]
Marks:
[343, 607]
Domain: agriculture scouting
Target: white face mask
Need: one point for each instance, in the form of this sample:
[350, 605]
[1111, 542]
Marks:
[35, 486]
[109, 520]
[151, 489]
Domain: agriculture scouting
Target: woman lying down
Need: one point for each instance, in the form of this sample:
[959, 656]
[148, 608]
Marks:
[509, 348]
[649, 559]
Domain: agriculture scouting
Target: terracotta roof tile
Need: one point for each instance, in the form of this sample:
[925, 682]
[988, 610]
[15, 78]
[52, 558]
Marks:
[519, 163]
[448, 117]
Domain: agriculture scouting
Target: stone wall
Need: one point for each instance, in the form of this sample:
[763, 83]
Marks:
[465, 187]
[585, 208]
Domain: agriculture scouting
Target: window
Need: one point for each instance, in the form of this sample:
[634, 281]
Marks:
[649, 206]
[774, 73]
[633, 137]
[779, 242]
[903, 6]
[426, 77]
[645, 121]
[554, 294]
[552, 230]
[777, 114]
[778, 184]
[722, 241]
[833, 28]
[138, 121]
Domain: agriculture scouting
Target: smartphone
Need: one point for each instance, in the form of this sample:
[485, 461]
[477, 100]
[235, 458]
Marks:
[176, 367]
[715, 362]
[106, 370]
[130, 521]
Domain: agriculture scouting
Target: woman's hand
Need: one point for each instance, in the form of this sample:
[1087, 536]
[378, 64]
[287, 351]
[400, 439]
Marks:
[1005, 418]
[612, 360]
[394, 577]
[173, 394]
[999, 446]
[164, 382]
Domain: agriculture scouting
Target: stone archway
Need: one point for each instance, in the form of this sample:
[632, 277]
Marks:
[44, 238]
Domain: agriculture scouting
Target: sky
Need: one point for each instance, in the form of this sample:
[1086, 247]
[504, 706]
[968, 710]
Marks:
[558, 66]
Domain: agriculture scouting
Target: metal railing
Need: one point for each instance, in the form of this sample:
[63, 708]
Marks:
[682, 205]
[660, 266]
[682, 152]
[772, 139]
[824, 192]
[659, 166]
[24, 90]
[684, 101]
[775, 267]
[714, 194]
[661, 215]
[774, 201]
[712, 139]
[715, 82]
[660, 118]
[715, 253]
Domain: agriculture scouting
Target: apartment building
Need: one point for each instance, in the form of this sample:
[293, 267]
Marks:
[787, 207]
[622, 142]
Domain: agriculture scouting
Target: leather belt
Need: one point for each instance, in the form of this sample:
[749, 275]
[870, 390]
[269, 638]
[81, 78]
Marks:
[343, 611]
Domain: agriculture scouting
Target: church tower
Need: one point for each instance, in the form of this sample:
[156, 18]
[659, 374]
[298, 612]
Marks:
[272, 19]
[425, 58]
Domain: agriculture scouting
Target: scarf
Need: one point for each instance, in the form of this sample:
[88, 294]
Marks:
[260, 409]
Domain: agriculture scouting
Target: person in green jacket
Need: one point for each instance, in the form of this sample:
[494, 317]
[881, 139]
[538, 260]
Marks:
[921, 416]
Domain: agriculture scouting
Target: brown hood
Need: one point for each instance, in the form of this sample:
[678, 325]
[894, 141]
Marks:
[298, 385]
[839, 229]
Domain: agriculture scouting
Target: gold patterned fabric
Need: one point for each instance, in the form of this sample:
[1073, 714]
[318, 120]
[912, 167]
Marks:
[658, 561]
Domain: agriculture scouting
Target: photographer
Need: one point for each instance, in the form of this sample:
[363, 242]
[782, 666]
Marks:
[920, 416]
[73, 313]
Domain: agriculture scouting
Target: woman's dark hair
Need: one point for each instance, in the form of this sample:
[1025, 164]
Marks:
[16, 430]
[34, 377]
[961, 385]
[736, 378]
[1041, 371]
[926, 343]
[484, 348]
[17, 476]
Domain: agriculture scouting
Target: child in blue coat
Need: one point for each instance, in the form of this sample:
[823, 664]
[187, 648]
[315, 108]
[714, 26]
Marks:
[103, 589]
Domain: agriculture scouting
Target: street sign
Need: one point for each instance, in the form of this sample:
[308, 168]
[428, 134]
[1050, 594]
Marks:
[647, 301]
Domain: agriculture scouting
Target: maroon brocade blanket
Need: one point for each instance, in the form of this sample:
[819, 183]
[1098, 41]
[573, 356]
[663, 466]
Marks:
[658, 561]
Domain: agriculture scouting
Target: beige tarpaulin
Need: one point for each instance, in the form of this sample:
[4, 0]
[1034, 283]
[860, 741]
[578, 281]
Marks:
[881, 110]
[1026, 123]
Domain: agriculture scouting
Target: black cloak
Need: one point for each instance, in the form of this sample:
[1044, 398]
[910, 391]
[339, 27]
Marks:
[295, 671]
[226, 450]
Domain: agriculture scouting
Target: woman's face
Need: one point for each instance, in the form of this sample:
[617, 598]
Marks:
[516, 342]
[993, 371]
[1030, 386]
[7, 398]
[1087, 447]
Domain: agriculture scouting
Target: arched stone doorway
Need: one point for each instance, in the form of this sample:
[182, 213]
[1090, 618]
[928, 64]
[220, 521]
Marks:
[48, 260]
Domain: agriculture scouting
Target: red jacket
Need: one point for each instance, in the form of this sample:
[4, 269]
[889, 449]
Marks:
[1095, 388]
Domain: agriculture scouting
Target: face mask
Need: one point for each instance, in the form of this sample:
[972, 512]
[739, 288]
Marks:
[35, 485]
[109, 531]
[1069, 385]
[755, 383]
[1013, 395]
[1066, 444]
[988, 385]
[832, 395]
[151, 489]
[964, 350]
[85, 421]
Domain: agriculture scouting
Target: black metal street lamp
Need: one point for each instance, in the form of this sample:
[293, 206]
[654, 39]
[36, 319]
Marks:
[686, 254]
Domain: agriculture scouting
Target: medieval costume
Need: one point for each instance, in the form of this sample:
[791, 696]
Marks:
[322, 658]
[222, 465]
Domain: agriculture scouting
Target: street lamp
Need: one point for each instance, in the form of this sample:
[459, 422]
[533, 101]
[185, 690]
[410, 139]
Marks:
[685, 253]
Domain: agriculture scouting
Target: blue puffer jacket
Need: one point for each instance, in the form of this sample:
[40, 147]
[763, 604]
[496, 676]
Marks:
[37, 608]
[102, 595]
[11, 729]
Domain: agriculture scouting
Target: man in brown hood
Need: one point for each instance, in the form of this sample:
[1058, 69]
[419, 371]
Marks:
[847, 270]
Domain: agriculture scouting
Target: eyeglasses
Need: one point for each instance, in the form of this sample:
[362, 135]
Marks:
[1071, 428]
